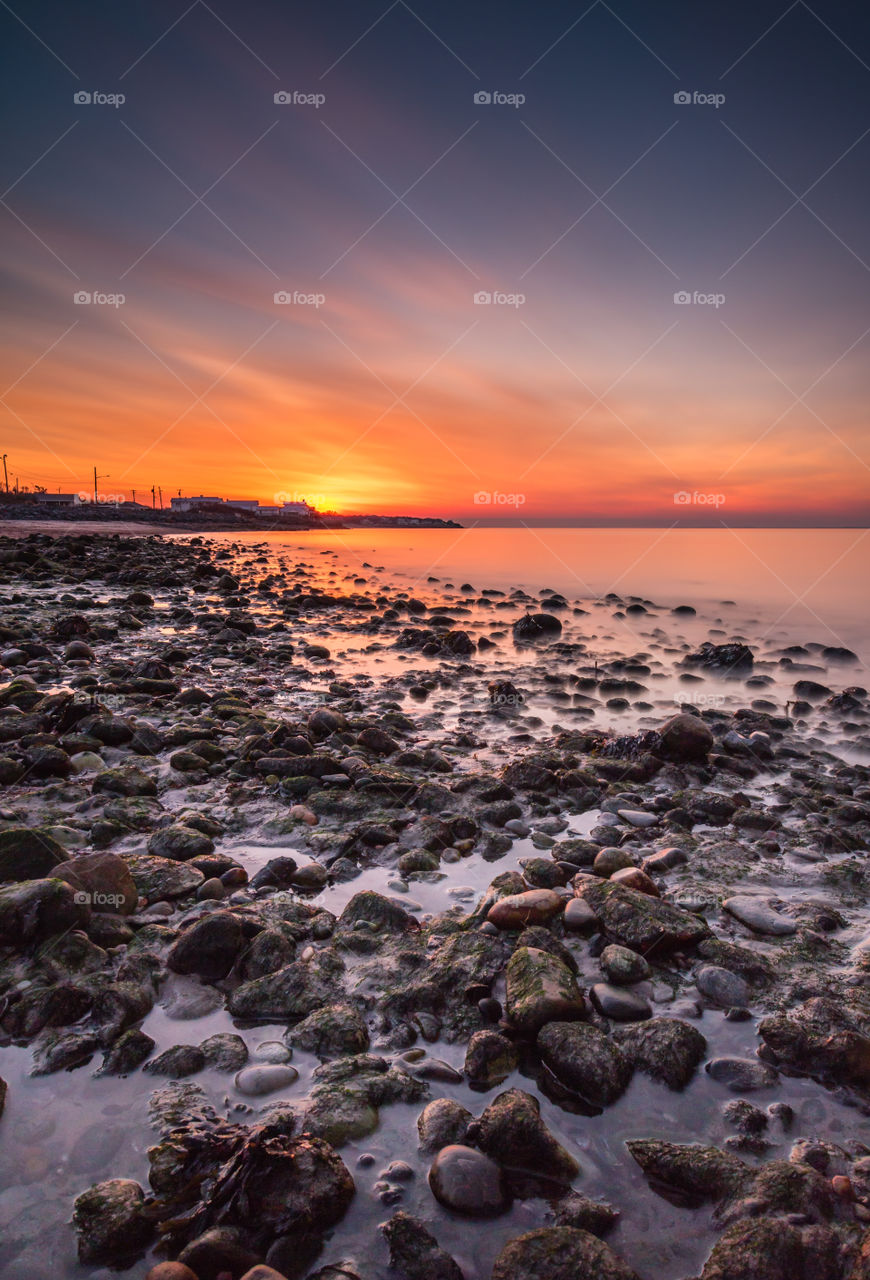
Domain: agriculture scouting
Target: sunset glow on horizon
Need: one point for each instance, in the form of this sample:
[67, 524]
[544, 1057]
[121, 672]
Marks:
[664, 318]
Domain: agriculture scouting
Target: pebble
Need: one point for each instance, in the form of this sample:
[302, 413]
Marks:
[611, 859]
[254, 1082]
[468, 1182]
[637, 818]
[722, 987]
[619, 1004]
[579, 916]
[743, 1075]
[755, 914]
[622, 967]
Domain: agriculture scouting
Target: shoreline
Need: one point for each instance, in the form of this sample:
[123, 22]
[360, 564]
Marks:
[305, 858]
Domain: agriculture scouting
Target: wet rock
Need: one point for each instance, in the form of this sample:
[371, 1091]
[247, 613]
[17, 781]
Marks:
[758, 916]
[586, 1061]
[267, 953]
[257, 1081]
[536, 906]
[128, 781]
[224, 1051]
[468, 1182]
[821, 1037]
[443, 1123]
[635, 878]
[612, 859]
[623, 967]
[28, 854]
[170, 1271]
[219, 1252]
[540, 989]
[180, 843]
[512, 1132]
[555, 1253]
[761, 1249]
[128, 1052]
[159, 878]
[415, 1253]
[536, 626]
[209, 947]
[104, 878]
[292, 992]
[685, 738]
[643, 924]
[578, 1211]
[733, 657]
[721, 987]
[579, 916]
[330, 1032]
[38, 909]
[667, 1049]
[110, 1223]
[489, 1059]
[378, 912]
[179, 1061]
[694, 1173]
[743, 1075]
[618, 1003]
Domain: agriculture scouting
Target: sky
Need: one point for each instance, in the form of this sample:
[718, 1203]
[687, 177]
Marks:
[596, 262]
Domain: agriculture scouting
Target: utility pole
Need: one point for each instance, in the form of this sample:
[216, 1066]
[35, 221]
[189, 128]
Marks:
[5, 472]
[152, 497]
[96, 478]
[160, 491]
[134, 497]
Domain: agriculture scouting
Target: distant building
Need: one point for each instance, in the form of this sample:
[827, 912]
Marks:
[244, 504]
[296, 509]
[57, 499]
[188, 504]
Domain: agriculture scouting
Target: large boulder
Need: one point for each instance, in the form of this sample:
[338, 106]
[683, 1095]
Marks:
[644, 924]
[512, 1133]
[38, 909]
[685, 738]
[209, 948]
[586, 1061]
[26, 853]
[540, 989]
[292, 992]
[773, 1249]
[104, 879]
[667, 1049]
[559, 1253]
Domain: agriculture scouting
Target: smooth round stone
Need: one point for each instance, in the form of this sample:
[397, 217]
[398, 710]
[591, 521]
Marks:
[536, 906]
[170, 1271]
[637, 817]
[634, 878]
[612, 859]
[212, 889]
[664, 860]
[722, 987]
[87, 762]
[254, 1082]
[755, 914]
[622, 967]
[743, 1075]
[619, 1004]
[468, 1182]
[311, 876]
[579, 916]
[272, 1051]
[185, 1004]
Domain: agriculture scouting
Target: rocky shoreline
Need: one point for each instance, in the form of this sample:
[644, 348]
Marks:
[203, 821]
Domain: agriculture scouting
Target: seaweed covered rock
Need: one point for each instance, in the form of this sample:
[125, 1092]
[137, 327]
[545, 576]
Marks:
[540, 989]
[330, 1032]
[767, 1249]
[668, 1049]
[512, 1132]
[110, 1223]
[27, 853]
[822, 1037]
[415, 1253]
[640, 922]
[586, 1061]
[556, 1253]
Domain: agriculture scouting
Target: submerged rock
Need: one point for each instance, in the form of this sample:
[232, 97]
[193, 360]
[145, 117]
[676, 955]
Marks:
[559, 1253]
[468, 1182]
[415, 1253]
[586, 1061]
[512, 1132]
[110, 1223]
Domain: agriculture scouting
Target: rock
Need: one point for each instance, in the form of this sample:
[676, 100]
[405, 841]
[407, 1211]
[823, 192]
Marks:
[536, 626]
[637, 817]
[269, 952]
[685, 738]
[578, 1211]
[821, 1037]
[292, 992]
[742, 1075]
[4, 1090]
[579, 916]
[218, 1252]
[732, 657]
[618, 1003]
[326, 720]
[540, 989]
[643, 924]
[224, 1051]
[263, 1272]
[179, 1061]
[623, 967]
[257, 1081]
[774, 1249]
[512, 1133]
[37, 909]
[489, 1059]
[310, 878]
[209, 947]
[180, 843]
[694, 1173]
[468, 1182]
[330, 1032]
[536, 906]
[129, 781]
[443, 1123]
[635, 878]
[721, 987]
[609, 860]
[414, 1253]
[170, 1271]
[106, 880]
[758, 916]
[110, 1223]
[128, 1052]
[28, 854]
[586, 1061]
[667, 1049]
[559, 1253]
[380, 912]
[159, 878]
